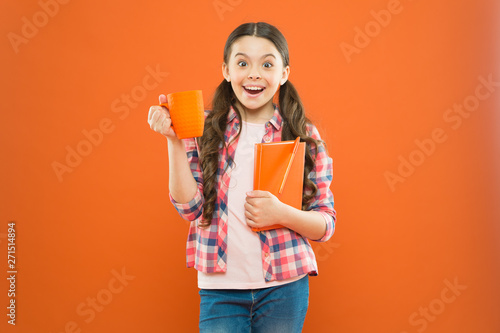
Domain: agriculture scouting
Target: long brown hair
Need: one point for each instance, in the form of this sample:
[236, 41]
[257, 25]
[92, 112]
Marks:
[290, 108]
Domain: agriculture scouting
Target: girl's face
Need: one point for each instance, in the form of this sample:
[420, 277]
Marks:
[255, 70]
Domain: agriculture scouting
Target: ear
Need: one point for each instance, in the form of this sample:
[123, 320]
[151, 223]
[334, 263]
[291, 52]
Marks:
[225, 72]
[284, 77]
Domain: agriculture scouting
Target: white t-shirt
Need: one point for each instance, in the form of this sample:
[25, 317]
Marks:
[244, 257]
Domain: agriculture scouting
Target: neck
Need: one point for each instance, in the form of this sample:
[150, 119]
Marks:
[257, 116]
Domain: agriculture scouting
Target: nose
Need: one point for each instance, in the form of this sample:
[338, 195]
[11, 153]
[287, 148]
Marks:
[254, 74]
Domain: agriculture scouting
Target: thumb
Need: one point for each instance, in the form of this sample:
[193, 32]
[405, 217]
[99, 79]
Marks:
[258, 194]
[163, 99]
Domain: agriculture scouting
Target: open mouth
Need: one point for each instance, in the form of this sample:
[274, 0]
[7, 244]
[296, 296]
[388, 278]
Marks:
[252, 90]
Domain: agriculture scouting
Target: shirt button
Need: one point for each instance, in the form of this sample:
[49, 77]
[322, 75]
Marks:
[267, 139]
[268, 125]
[266, 254]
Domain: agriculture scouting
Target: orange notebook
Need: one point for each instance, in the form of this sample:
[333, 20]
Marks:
[271, 163]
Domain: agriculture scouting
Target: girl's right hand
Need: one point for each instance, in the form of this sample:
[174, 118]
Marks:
[159, 119]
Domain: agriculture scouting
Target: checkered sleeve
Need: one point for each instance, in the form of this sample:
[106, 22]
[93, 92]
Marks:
[192, 210]
[321, 175]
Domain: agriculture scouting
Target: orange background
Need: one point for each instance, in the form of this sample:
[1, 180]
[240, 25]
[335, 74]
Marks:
[396, 249]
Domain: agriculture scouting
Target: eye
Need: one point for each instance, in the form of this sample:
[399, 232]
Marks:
[242, 63]
[267, 65]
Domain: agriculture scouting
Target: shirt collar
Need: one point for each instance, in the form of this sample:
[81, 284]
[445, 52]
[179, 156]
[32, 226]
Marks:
[276, 120]
[232, 115]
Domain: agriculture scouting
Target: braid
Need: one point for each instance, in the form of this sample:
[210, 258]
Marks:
[294, 125]
[210, 145]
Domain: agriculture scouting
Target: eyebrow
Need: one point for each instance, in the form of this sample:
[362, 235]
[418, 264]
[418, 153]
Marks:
[264, 56]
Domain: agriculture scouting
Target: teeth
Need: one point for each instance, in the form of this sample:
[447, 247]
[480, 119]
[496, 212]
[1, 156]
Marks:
[253, 88]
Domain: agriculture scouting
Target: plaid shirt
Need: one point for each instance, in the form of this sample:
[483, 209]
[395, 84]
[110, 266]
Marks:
[285, 253]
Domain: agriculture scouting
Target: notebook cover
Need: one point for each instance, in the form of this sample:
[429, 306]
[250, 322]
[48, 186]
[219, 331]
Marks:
[270, 163]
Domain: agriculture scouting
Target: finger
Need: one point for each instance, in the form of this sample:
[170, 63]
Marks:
[253, 211]
[154, 118]
[162, 98]
[250, 202]
[251, 223]
[249, 216]
[160, 122]
[152, 110]
[254, 202]
[159, 116]
[165, 126]
[248, 208]
[251, 220]
[155, 111]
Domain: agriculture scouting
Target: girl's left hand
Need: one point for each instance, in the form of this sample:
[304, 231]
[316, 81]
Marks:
[263, 209]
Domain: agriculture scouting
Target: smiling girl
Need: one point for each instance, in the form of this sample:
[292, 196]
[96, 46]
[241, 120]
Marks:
[249, 281]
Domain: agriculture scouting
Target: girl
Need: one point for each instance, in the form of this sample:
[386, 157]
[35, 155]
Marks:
[249, 281]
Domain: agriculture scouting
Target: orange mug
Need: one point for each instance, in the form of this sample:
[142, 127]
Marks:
[187, 113]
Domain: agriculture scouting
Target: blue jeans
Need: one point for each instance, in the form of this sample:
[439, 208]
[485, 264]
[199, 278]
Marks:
[275, 309]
